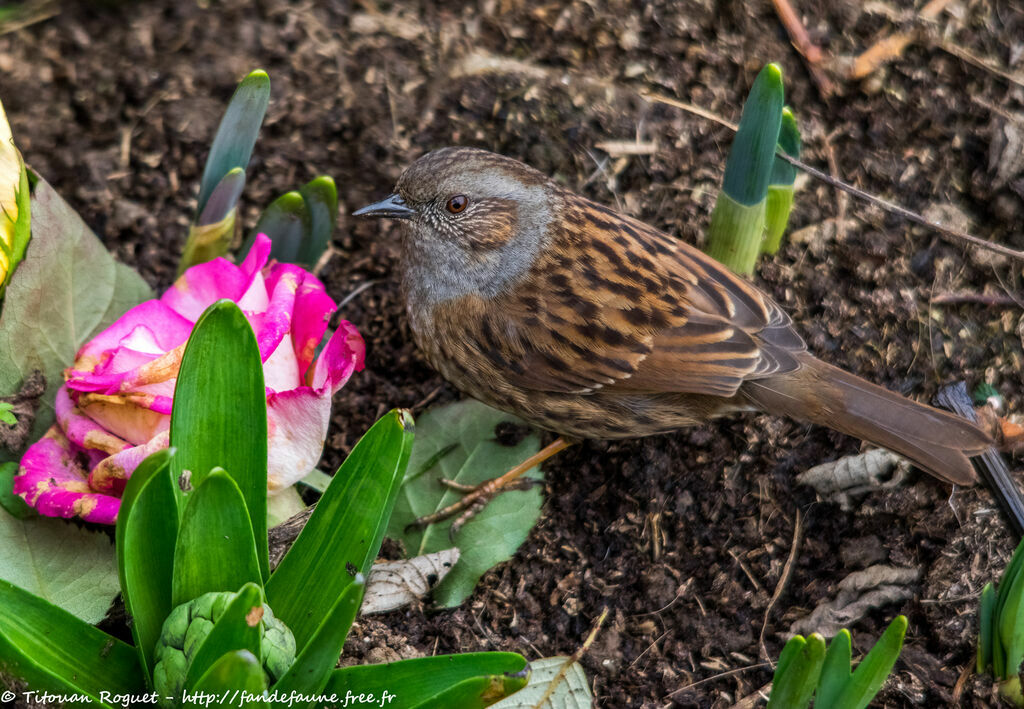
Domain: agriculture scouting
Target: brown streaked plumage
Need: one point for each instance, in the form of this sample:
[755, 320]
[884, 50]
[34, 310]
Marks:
[592, 324]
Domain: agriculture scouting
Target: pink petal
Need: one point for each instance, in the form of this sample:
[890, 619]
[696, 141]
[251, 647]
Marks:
[344, 354]
[82, 430]
[296, 428]
[51, 480]
[313, 310]
[204, 284]
[111, 474]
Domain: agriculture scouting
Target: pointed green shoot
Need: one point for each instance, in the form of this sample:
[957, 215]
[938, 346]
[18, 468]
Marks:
[796, 675]
[873, 670]
[52, 650]
[230, 676]
[211, 234]
[321, 197]
[835, 673]
[220, 400]
[985, 630]
[236, 135]
[233, 631]
[147, 525]
[737, 222]
[346, 529]
[436, 681]
[780, 187]
[313, 665]
[288, 222]
[215, 550]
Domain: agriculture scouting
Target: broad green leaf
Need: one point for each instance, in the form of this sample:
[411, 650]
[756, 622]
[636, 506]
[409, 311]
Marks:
[233, 631]
[287, 222]
[873, 670]
[735, 234]
[779, 202]
[321, 197]
[313, 664]
[237, 133]
[346, 529]
[316, 479]
[752, 155]
[13, 504]
[234, 680]
[215, 550]
[220, 414]
[412, 683]
[458, 442]
[60, 562]
[147, 525]
[1010, 621]
[52, 650]
[570, 687]
[795, 680]
[985, 632]
[66, 290]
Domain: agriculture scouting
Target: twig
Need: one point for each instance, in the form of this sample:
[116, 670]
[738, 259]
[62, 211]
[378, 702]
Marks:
[834, 182]
[803, 43]
[946, 232]
[574, 658]
[787, 574]
[992, 299]
[891, 46]
[980, 62]
[720, 675]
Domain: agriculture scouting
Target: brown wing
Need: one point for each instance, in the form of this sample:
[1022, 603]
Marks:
[618, 305]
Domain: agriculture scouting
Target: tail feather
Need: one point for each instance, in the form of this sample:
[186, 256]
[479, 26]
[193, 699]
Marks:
[937, 442]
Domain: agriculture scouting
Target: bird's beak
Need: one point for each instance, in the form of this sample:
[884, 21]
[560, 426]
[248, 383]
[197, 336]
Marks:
[393, 207]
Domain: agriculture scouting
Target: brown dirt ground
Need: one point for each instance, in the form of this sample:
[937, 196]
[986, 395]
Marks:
[116, 105]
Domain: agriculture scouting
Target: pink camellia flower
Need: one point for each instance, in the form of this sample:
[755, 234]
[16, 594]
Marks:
[114, 407]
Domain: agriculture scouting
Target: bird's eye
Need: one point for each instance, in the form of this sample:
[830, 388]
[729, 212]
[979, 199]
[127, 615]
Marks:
[457, 204]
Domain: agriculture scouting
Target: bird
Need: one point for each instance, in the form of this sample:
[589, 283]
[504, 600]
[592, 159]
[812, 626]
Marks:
[594, 325]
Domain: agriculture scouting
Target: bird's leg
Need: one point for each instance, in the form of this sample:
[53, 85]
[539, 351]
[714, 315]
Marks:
[477, 496]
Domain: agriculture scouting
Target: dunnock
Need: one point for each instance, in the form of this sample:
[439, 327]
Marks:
[591, 324]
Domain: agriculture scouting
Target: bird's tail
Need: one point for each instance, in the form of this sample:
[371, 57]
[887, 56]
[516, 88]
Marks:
[937, 442]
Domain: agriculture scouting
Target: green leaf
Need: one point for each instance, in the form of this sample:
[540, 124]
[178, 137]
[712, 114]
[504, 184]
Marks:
[5, 414]
[1010, 621]
[52, 650]
[312, 667]
[345, 530]
[14, 505]
[286, 221]
[220, 414]
[458, 442]
[237, 133]
[416, 682]
[795, 679]
[231, 632]
[873, 670]
[317, 480]
[735, 233]
[752, 155]
[283, 505]
[66, 290]
[60, 562]
[571, 690]
[224, 198]
[233, 681]
[835, 672]
[321, 197]
[779, 202]
[147, 525]
[215, 550]
[985, 631]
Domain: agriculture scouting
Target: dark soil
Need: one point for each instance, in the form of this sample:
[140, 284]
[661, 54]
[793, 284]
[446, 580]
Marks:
[683, 537]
